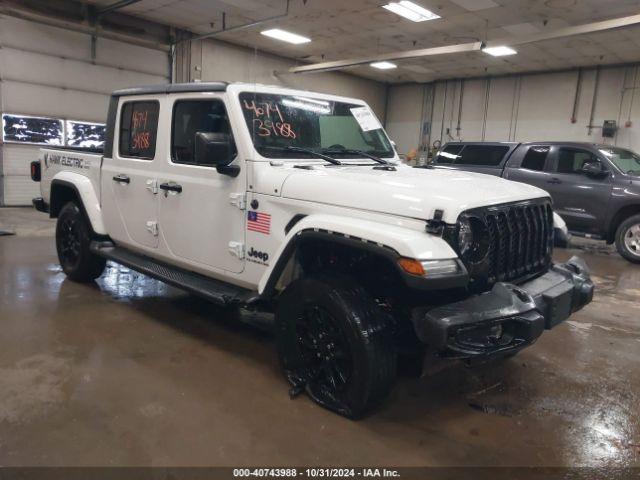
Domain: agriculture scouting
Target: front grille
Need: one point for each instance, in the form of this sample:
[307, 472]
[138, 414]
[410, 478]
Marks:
[519, 242]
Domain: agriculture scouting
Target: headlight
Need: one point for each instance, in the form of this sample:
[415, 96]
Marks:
[473, 239]
[440, 267]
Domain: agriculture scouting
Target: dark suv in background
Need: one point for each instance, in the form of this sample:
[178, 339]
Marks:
[595, 188]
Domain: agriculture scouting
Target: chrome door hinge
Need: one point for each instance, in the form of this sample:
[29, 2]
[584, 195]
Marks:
[152, 185]
[239, 200]
[236, 249]
[152, 227]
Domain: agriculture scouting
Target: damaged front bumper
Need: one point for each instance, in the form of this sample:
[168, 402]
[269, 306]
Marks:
[509, 317]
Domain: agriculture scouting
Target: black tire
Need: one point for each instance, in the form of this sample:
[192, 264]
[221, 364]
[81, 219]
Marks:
[628, 239]
[351, 367]
[73, 237]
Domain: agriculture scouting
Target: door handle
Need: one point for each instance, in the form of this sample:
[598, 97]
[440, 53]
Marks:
[171, 187]
[121, 179]
[554, 180]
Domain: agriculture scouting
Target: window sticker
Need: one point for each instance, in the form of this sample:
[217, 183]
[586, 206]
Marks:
[365, 118]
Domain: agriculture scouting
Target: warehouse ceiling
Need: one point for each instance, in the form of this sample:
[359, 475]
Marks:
[341, 29]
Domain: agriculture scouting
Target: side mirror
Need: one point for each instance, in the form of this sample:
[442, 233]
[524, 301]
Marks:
[594, 169]
[216, 149]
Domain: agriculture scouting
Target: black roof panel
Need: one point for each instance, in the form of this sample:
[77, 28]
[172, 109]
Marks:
[173, 88]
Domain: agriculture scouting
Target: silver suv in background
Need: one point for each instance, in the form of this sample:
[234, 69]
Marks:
[595, 188]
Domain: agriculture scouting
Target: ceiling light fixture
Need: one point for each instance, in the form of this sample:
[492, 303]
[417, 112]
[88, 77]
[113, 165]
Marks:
[285, 36]
[411, 11]
[383, 65]
[500, 51]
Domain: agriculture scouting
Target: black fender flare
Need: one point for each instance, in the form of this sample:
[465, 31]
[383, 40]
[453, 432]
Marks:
[383, 251]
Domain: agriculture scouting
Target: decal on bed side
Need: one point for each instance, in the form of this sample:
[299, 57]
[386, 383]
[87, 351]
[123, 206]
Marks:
[66, 161]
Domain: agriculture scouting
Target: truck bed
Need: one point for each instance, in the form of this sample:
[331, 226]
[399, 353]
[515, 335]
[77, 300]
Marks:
[54, 161]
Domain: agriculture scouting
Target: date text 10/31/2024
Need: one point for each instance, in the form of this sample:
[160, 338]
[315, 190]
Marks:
[317, 472]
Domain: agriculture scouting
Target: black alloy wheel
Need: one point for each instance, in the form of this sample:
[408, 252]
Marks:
[69, 243]
[73, 241]
[336, 344]
[324, 349]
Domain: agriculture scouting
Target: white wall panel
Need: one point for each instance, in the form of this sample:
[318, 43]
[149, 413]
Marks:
[402, 127]
[533, 107]
[545, 104]
[629, 137]
[38, 68]
[40, 100]
[440, 93]
[43, 38]
[133, 57]
[48, 71]
[18, 187]
[222, 61]
[500, 107]
[56, 42]
[472, 117]
[15, 156]
[20, 190]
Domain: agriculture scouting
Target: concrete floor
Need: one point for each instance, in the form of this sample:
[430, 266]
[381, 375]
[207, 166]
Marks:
[128, 371]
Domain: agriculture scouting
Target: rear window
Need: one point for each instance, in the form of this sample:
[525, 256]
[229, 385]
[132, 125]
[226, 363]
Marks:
[448, 154]
[535, 158]
[482, 155]
[138, 129]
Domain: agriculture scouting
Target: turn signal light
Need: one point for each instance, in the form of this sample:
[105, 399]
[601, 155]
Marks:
[429, 268]
[412, 266]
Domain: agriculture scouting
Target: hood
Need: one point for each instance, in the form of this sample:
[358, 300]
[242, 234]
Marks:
[406, 192]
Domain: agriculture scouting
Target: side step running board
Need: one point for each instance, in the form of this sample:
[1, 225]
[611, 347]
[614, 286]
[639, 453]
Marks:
[216, 291]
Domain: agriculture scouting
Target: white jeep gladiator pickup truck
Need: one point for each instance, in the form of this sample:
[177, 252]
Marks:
[295, 202]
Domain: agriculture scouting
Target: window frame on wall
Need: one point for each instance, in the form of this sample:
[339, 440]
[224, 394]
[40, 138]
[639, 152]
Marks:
[63, 131]
[67, 122]
[62, 135]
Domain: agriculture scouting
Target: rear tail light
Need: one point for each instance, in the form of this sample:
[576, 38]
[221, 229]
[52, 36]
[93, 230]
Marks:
[35, 171]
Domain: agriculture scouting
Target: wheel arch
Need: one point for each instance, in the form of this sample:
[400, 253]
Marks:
[620, 216]
[68, 186]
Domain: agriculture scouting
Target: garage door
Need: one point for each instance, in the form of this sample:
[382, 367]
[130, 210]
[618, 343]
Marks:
[48, 72]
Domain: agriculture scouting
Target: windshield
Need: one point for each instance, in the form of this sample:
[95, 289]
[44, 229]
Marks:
[625, 160]
[277, 122]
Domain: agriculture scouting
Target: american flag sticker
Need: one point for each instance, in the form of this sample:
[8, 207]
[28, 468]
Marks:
[259, 222]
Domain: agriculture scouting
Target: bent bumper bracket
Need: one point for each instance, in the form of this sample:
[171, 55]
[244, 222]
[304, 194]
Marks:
[507, 318]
